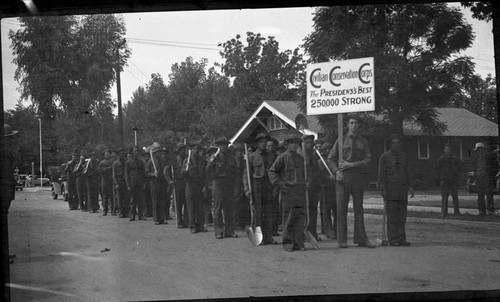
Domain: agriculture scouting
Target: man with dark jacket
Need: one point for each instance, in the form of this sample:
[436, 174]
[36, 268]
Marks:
[135, 177]
[448, 167]
[91, 171]
[485, 169]
[81, 182]
[313, 177]
[222, 167]
[157, 183]
[193, 170]
[178, 184]
[122, 196]
[106, 172]
[328, 203]
[72, 193]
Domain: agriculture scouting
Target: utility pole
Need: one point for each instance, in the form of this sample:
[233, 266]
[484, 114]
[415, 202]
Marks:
[119, 94]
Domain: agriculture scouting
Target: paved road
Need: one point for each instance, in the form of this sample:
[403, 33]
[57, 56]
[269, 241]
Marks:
[61, 256]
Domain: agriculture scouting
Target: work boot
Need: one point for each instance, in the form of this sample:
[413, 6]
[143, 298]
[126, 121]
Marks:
[132, 217]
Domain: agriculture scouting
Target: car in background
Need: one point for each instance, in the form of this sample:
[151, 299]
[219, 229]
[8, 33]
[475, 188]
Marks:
[45, 182]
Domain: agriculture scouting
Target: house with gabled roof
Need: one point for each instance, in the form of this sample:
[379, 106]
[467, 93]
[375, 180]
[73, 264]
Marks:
[463, 130]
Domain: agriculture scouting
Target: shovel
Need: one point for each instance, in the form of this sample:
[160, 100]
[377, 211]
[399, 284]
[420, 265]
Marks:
[301, 124]
[253, 233]
[385, 242]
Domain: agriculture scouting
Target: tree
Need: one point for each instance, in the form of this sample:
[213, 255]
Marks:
[480, 10]
[480, 98]
[260, 70]
[416, 50]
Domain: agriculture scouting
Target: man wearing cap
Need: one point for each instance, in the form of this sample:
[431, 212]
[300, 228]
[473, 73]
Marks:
[260, 162]
[485, 168]
[178, 183]
[328, 204]
[135, 177]
[349, 174]
[10, 194]
[313, 178]
[106, 171]
[394, 183]
[287, 172]
[81, 182]
[157, 183]
[193, 170]
[92, 172]
[72, 193]
[448, 167]
[122, 196]
[222, 167]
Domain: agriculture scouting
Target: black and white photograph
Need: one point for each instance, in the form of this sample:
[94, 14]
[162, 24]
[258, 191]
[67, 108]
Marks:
[250, 151]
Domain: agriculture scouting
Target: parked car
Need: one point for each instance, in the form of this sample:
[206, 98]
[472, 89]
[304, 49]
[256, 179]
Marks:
[45, 182]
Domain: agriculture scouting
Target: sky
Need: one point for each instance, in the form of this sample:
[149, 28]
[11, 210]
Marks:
[160, 39]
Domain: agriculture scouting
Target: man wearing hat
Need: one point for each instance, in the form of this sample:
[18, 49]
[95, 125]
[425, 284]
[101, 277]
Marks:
[178, 183]
[222, 168]
[193, 170]
[72, 193]
[91, 170]
[314, 179]
[122, 196]
[349, 173]
[328, 204]
[485, 167]
[448, 168]
[135, 177]
[287, 172]
[106, 171]
[81, 181]
[8, 169]
[157, 183]
[260, 162]
[394, 182]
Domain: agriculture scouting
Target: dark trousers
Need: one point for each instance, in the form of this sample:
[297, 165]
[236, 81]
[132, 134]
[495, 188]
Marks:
[484, 187]
[93, 194]
[294, 210]
[194, 200]
[148, 200]
[275, 212]
[396, 220]
[313, 211]
[446, 190]
[354, 188]
[180, 203]
[262, 199]
[158, 196]
[107, 198]
[82, 191]
[223, 206]
[240, 206]
[123, 199]
[72, 194]
[137, 201]
[328, 206]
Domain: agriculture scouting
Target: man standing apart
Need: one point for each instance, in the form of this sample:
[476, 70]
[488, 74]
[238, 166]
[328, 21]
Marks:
[287, 172]
[222, 168]
[259, 162]
[349, 175]
[394, 183]
[485, 168]
[135, 177]
[448, 170]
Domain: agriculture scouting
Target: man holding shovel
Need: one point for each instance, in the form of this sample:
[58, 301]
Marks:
[287, 172]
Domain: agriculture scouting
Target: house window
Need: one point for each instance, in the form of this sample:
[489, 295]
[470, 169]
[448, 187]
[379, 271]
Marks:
[274, 123]
[423, 150]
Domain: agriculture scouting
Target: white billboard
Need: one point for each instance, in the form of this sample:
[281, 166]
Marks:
[341, 87]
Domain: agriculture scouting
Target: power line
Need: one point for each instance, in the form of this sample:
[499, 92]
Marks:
[171, 45]
[164, 41]
[142, 83]
[139, 70]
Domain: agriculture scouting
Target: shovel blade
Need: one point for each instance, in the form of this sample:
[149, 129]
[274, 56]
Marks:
[310, 238]
[254, 235]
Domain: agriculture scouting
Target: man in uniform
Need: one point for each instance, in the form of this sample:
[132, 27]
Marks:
[81, 182]
[239, 192]
[349, 175]
[122, 196]
[193, 170]
[259, 162]
[148, 199]
[222, 167]
[157, 183]
[92, 172]
[72, 193]
[106, 171]
[164, 160]
[313, 178]
[135, 177]
[287, 172]
[328, 204]
[394, 182]
[448, 170]
[178, 183]
[485, 168]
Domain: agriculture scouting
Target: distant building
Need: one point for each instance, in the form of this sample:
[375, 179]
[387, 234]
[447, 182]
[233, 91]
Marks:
[464, 129]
